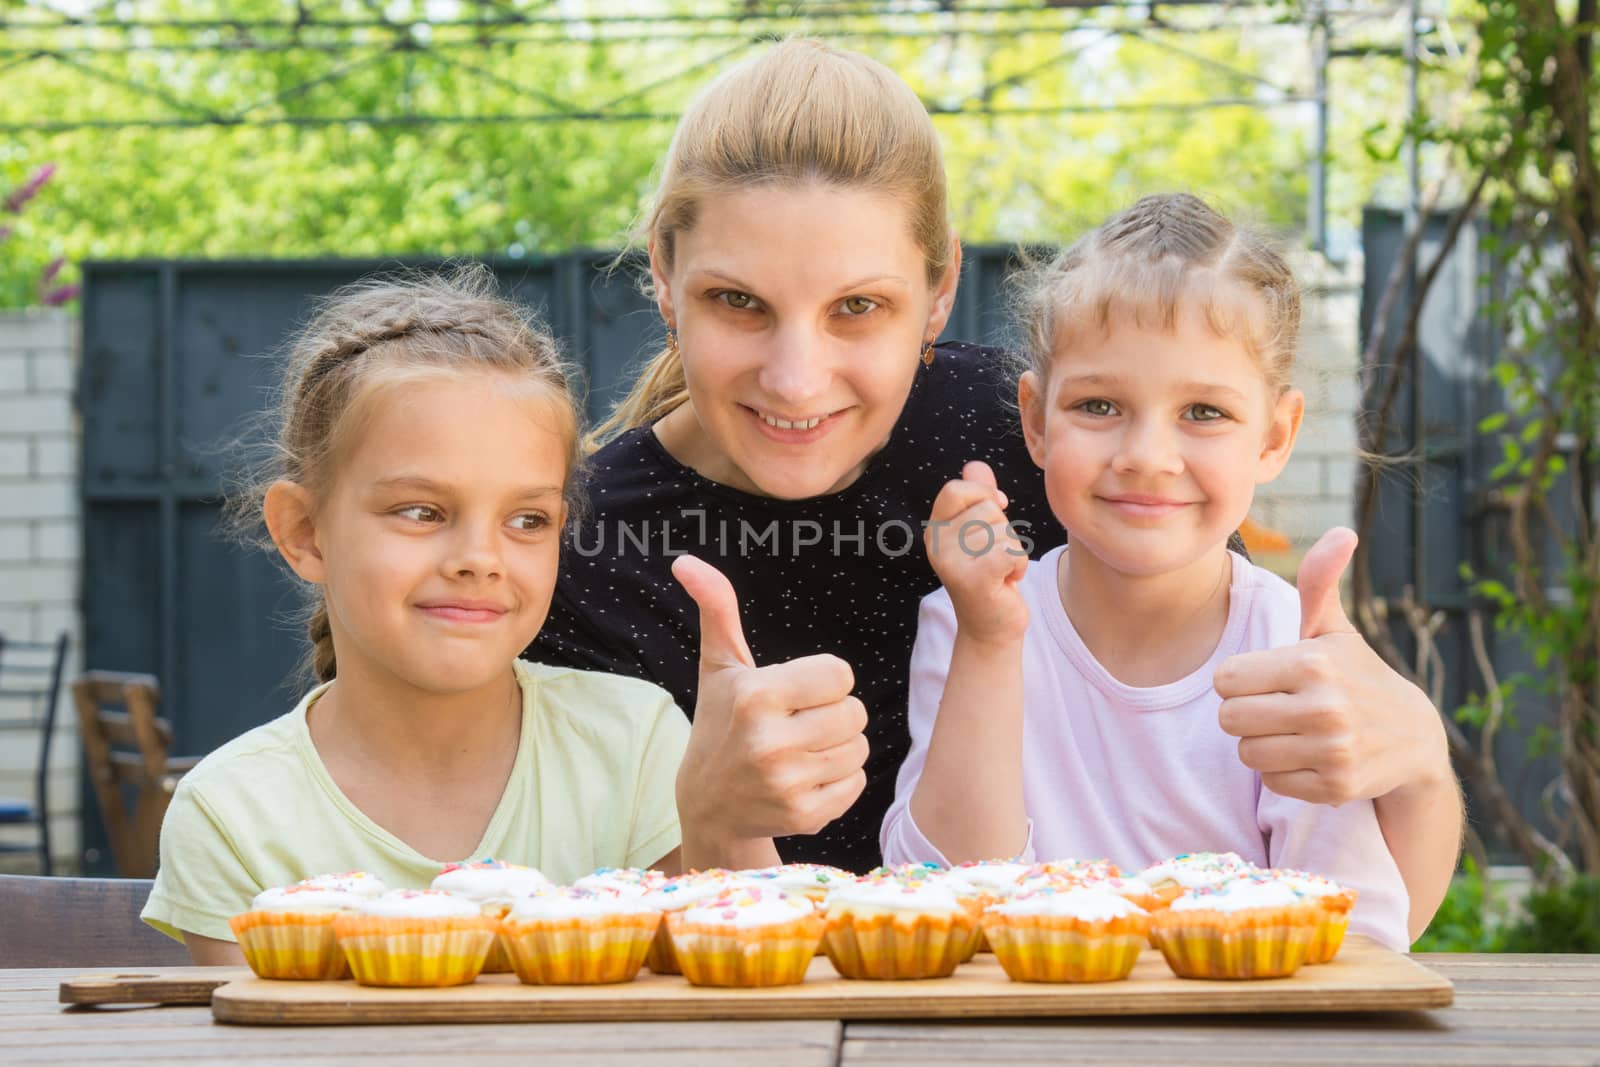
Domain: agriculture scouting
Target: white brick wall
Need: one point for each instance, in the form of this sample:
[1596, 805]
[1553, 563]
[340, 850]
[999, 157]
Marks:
[39, 544]
[1314, 491]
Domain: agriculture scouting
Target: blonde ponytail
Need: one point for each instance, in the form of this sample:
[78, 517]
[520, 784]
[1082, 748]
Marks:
[658, 390]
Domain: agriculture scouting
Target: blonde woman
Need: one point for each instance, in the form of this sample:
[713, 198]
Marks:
[791, 438]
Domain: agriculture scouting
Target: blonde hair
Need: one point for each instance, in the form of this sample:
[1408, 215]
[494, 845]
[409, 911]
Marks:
[800, 112]
[1149, 261]
[378, 333]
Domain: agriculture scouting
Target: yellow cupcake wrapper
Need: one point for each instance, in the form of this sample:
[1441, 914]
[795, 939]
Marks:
[294, 945]
[597, 950]
[892, 945]
[745, 956]
[385, 951]
[1253, 943]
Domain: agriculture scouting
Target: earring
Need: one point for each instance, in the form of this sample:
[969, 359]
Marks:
[672, 341]
[927, 354]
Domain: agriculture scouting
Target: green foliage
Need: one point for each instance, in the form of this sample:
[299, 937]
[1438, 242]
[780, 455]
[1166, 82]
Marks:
[1463, 922]
[1564, 917]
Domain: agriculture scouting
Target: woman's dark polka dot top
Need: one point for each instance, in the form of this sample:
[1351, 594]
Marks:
[841, 573]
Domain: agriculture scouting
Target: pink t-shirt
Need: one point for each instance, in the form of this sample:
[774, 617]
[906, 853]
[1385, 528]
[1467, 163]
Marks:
[1139, 775]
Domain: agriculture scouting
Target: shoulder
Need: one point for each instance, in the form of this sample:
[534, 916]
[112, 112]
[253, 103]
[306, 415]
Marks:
[633, 460]
[260, 753]
[597, 701]
[971, 376]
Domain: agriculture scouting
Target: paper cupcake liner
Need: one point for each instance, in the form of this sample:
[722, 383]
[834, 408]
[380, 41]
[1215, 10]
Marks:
[298, 945]
[386, 951]
[1329, 937]
[893, 945]
[597, 950]
[1253, 943]
[1056, 948]
[661, 959]
[746, 956]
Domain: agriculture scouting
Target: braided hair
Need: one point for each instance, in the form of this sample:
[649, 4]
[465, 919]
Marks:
[380, 331]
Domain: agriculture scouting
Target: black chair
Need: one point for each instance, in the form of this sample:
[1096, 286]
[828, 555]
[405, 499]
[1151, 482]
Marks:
[30, 686]
[80, 922]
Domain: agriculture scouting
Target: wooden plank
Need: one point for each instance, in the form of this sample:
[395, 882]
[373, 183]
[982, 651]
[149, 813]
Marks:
[179, 985]
[1130, 1049]
[1364, 977]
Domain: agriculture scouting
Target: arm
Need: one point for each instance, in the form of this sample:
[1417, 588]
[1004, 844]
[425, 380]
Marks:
[1422, 822]
[210, 952]
[968, 800]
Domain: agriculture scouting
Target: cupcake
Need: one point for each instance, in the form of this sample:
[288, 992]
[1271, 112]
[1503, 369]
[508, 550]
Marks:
[809, 880]
[288, 932]
[493, 884]
[1071, 933]
[686, 890]
[750, 936]
[983, 883]
[578, 936]
[887, 926]
[1246, 928]
[1336, 903]
[1194, 870]
[360, 883]
[1066, 872]
[628, 881]
[416, 937]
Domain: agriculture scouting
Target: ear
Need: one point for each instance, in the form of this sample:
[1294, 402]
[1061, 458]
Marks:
[663, 289]
[288, 512]
[1281, 434]
[944, 294]
[1030, 399]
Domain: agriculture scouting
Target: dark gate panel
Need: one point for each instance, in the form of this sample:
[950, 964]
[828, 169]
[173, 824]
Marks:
[178, 357]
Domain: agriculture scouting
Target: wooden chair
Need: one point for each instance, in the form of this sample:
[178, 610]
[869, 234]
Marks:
[125, 747]
[30, 686]
[80, 922]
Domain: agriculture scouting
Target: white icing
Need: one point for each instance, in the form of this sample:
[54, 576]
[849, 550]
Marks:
[360, 883]
[800, 877]
[1240, 895]
[893, 895]
[575, 903]
[629, 881]
[988, 877]
[748, 907]
[421, 904]
[1091, 903]
[304, 898]
[1312, 885]
[1198, 869]
[491, 883]
[680, 893]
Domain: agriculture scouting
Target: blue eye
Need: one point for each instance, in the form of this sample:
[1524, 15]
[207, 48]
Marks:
[1097, 407]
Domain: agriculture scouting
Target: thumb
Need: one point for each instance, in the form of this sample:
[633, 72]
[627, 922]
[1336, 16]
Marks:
[1318, 581]
[722, 641]
[982, 474]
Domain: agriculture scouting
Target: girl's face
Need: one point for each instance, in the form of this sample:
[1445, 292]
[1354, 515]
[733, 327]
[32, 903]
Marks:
[1153, 442]
[437, 542]
[801, 313]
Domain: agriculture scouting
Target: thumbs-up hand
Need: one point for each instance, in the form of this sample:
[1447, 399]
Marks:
[977, 556]
[1326, 720]
[773, 750]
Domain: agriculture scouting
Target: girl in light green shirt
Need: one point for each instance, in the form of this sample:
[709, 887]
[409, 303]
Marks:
[419, 483]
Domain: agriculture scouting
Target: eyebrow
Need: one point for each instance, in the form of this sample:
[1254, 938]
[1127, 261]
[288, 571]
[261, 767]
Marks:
[428, 485]
[1213, 388]
[857, 283]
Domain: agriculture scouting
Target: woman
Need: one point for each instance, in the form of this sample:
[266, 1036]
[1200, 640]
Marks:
[794, 432]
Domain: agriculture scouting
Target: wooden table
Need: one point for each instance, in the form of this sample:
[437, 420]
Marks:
[1524, 1010]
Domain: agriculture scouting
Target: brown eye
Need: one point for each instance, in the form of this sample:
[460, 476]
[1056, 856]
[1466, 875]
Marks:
[858, 305]
[736, 300]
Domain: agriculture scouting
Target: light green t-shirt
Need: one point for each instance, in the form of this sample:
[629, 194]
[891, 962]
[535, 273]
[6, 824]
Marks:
[592, 786]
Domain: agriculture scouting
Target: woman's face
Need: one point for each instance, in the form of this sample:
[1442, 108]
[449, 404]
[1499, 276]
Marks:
[801, 313]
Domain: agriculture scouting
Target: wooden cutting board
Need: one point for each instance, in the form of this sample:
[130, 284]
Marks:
[1365, 977]
[172, 985]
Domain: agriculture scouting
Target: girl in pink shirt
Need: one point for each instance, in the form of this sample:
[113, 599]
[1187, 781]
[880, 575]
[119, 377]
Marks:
[1070, 707]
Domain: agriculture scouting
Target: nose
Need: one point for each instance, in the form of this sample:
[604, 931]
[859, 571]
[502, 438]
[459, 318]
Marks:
[797, 370]
[1148, 446]
[474, 551]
